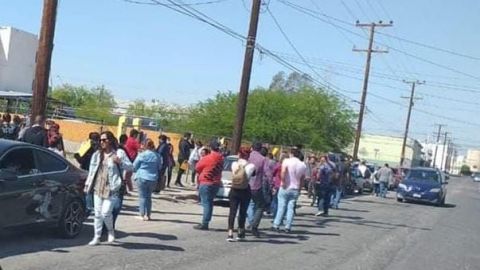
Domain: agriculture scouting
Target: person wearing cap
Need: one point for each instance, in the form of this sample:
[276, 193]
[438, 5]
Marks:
[210, 170]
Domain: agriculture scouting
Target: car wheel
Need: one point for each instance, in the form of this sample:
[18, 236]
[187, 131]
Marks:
[71, 222]
[399, 200]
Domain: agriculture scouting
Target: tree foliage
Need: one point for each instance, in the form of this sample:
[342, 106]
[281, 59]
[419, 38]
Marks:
[465, 170]
[170, 118]
[307, 115]
[95, 103]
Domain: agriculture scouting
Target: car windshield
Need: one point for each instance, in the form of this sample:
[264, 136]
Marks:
[423, 175]
[476, 174]
[227, 164]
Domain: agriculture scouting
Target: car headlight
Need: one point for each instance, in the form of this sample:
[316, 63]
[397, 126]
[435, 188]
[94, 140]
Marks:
[402, 186]
[435, 190]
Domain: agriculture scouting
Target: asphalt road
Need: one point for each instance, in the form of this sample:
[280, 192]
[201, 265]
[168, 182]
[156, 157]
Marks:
[366, 233]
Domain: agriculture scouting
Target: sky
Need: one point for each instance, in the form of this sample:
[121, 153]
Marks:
[149, 51]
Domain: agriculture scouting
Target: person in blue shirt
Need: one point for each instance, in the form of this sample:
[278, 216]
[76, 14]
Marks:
[147, 167]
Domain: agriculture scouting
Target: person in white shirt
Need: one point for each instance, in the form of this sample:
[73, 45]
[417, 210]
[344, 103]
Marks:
[291, 181]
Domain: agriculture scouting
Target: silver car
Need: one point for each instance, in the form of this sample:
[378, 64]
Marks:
[222, 194]
[476, 176]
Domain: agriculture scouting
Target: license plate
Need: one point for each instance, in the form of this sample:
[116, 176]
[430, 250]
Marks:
[417, 195]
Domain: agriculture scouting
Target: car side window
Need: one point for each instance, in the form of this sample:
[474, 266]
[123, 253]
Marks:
[19, 162]
[49, 162]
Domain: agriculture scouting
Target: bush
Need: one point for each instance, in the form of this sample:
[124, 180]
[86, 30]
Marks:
[465, 170]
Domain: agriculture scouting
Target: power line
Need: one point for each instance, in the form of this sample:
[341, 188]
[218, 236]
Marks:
[184, 4]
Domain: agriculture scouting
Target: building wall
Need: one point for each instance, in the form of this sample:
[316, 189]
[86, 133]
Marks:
[473, 159]
[380, 149]
[17, 59]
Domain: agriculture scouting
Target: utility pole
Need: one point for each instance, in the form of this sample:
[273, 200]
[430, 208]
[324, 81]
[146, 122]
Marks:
[442, 165]
[407, 125]
[369, 52]
[44, 58]
[245, 83]
[436, 144]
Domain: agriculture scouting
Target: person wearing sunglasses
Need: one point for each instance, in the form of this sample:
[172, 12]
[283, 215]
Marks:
[105, 180]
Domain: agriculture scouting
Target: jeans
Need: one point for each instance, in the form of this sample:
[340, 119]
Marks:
[286, 203]
[207, 194]
[194, 172]
[169, 175]
[239, 198]
[376, 188]
[251, 211]
[336, 196]
[103, 214]
[274, 205]
[258, 199]
[324, 192]
[383, 189]
[145, 189]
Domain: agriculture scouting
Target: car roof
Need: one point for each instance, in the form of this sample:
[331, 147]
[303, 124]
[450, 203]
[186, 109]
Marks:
[425, 169]
[7, 144]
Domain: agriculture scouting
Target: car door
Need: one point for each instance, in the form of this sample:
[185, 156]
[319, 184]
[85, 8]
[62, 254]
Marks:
[17, 193]
[52, 183]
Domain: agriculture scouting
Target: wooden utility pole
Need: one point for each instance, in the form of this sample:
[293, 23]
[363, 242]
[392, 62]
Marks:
[44, 58]
[245, 83]
[369, 52]
[407, 125]
[436, 144]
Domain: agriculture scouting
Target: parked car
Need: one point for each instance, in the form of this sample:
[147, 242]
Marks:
[38, 186]
[222, 194]
[423, 184]
[476, 176]
[360, 183]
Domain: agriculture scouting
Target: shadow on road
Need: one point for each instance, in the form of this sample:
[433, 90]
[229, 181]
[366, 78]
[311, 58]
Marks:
[19, 242]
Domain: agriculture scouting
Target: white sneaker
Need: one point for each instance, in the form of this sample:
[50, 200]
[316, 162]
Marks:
[94, 242]
[319, 214]
[111, 237]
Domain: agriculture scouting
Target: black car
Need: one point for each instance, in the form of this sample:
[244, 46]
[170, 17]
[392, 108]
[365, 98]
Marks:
[38, 186]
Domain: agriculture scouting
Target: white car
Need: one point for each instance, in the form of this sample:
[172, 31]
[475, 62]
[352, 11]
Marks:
[222, 194]
[476, 177]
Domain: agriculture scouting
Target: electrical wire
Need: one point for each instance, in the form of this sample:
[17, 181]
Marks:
[185, 4]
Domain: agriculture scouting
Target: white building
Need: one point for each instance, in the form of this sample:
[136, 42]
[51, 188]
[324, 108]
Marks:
[17, 59]
[444, 157]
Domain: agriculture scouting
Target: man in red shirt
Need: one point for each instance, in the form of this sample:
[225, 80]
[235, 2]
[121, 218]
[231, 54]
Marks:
[132, 145]
[210, 169]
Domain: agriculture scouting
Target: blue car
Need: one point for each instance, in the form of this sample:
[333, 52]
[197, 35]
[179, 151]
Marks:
[424, 185]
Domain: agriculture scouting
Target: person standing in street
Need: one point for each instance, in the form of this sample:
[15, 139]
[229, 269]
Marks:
[162, 151]
[210, 170]
[291, 181]
[171, 161]
[384, 175]
[239, 196]
[105, 179]
[256, 186]
[323, 185]
[146, 166]
[132, 146]
[193, 159]
[184, 147]
[37, 134]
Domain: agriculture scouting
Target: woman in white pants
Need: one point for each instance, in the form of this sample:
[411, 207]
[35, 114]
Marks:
[105, 179]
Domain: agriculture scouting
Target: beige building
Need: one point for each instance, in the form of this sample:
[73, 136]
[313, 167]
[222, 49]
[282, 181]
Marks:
[473, 159]
[379, 149]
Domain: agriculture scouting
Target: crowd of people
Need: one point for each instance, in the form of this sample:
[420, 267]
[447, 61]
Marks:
[42, 132]
[262, 183]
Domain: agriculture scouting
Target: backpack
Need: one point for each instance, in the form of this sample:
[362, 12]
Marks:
[239, 178]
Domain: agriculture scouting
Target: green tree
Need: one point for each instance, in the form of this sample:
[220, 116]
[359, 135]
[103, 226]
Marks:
[465, 170]
[168, 117]
[95, 103]
[308, 115]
